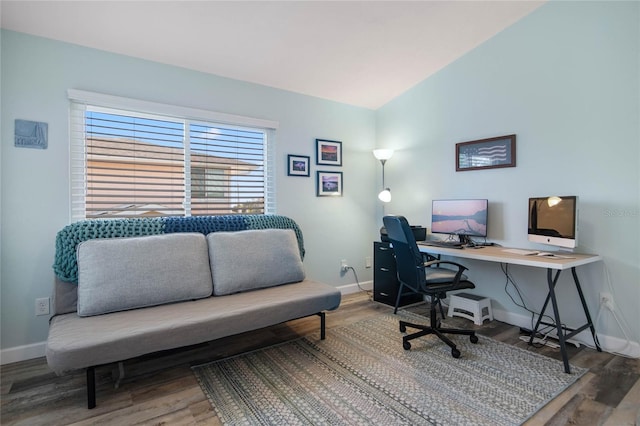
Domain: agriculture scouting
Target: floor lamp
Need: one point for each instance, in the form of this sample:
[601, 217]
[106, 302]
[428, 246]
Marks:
[383, 155]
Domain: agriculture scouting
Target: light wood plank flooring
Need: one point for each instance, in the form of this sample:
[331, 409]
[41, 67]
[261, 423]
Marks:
[160, 389]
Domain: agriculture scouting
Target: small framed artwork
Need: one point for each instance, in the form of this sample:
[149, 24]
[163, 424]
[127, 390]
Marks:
[488, 153]
[31, 134]
[328, 153]
[298, 165]
[329, 184]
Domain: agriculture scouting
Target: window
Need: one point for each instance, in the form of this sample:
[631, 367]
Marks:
[133, 163]
[207, 183]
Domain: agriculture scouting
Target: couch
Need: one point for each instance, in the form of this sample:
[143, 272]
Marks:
[126, 288]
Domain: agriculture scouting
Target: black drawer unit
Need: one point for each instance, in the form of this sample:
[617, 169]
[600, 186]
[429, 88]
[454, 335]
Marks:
[385, 280]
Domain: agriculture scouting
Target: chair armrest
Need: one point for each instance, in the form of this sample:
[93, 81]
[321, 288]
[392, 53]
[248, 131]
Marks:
[461, 268]
[426, 257]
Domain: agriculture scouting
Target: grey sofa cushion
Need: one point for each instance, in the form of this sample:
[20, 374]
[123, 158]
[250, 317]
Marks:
[76, 342]
[249, 260]
[126, 273]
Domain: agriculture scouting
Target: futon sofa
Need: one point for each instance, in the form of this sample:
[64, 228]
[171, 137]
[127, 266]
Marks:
[129, 287]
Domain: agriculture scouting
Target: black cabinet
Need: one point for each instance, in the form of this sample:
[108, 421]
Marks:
[385, 280]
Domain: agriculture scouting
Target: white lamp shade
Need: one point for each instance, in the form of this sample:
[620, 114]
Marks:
[383, 154]
[385, 195]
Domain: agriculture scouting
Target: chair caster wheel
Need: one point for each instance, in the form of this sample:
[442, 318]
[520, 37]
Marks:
[455, 353]
[407, 346]
[473, 338]
[403, 328]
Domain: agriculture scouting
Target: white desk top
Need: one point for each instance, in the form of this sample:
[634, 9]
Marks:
[497, 254]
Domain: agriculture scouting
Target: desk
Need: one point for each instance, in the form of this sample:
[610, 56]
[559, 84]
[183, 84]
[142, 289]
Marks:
[554, 267]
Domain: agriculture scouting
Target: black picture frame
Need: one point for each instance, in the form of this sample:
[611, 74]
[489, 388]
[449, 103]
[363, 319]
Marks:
[490, 153]
[328, 153]
[298, 165]
[328, 184]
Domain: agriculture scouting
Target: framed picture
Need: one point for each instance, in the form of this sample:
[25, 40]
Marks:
[329, 184]
[298, 165]
[488, 153]
[328, 153]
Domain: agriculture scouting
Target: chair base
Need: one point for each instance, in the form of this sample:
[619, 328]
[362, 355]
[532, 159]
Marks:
[438, 331]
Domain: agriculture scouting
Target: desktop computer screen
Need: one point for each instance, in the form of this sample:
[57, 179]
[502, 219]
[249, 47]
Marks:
[554, 220]
[464, 218]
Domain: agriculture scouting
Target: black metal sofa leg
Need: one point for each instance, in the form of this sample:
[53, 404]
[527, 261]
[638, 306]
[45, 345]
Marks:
[322, 325]
[91, 387]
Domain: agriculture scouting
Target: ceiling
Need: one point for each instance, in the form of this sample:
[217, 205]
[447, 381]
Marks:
[362, 53]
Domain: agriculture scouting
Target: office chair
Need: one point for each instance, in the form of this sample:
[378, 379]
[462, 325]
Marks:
[425, 278]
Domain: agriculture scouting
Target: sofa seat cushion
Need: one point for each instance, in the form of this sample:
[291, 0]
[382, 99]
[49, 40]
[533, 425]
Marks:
[75, 342]
[118, 274]
[249, 260]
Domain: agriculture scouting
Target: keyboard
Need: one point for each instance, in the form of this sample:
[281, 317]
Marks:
[447, 244]
[520, 252]
[551, 255]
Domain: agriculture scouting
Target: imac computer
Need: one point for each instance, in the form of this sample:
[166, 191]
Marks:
[554, 221]
[464, 218]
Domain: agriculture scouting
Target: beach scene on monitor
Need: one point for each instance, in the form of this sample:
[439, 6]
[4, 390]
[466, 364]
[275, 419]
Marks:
[459, 217]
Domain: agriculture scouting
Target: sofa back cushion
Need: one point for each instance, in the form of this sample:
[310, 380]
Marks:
[117, 274]
[248, 260]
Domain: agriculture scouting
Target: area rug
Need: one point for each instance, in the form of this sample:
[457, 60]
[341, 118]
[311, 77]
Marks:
[361, 375]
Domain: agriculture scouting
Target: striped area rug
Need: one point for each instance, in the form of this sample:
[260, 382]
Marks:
[361, 375]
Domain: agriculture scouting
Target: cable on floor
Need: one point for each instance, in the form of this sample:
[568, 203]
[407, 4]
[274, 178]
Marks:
[547, 328]
[355, 274]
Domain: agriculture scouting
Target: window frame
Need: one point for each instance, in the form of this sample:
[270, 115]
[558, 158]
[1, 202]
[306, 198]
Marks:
[81, 100]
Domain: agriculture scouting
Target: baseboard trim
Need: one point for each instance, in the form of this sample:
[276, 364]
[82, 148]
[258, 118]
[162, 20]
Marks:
[353, 288]
[609, 344]
[22, 353]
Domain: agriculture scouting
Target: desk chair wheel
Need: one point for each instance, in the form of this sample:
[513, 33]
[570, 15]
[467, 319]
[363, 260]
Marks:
[473, 338]
[455, 353]
[403, 328]
[407, 345]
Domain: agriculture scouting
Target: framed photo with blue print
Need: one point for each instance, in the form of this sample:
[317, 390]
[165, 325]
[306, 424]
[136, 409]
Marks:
[329, 184]
[328, 153]
[488, 153]
[298, 165]
[31, 134]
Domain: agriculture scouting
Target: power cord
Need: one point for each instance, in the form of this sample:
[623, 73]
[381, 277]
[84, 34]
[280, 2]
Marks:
[622, 324]
[545, 330]
[355, 274]
[617, 315]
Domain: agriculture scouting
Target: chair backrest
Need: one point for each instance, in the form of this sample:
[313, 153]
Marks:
[409, 260]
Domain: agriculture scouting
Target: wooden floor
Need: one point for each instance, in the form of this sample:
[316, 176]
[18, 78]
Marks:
[161, 389]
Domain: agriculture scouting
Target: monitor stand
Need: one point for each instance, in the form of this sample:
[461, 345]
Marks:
[465, 240]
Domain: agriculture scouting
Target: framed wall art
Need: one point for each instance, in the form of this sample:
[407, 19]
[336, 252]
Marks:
[297, 165]
[31, 134]
[488, 153]
[328, 153]
[329, 184]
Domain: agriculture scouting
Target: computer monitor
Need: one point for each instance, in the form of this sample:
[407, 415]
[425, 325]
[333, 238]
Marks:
[464, 218]
[554, 220]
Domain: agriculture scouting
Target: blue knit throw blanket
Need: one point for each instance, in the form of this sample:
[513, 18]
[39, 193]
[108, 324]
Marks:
[66, 267]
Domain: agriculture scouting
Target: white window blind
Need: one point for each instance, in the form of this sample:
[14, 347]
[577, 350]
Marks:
[128, 163]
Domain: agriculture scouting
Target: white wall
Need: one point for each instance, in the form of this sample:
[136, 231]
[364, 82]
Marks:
[565, 80]
[36, 74]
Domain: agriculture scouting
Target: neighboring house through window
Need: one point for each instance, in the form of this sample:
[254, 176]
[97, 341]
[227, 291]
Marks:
[131, 162]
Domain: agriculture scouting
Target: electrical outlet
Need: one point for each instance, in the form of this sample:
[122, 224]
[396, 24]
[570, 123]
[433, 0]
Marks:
[42, 306]
[343, 265]
[606, 300]
[367, 262]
